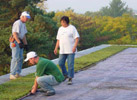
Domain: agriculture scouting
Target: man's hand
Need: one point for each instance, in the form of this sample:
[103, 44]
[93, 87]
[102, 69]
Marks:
[21, 45]
[75, 45]
[55, 51]
[35, 86]
[74, 49]
[33, 90]
[56, 47]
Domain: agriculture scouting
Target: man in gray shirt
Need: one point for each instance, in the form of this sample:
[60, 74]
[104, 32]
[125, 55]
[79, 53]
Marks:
[19, 33]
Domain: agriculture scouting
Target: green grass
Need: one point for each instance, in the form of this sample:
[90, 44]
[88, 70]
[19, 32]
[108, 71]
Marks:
[15, 89]
[85, 61]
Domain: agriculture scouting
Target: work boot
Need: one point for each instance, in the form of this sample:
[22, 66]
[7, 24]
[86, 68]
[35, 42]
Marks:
[13, 77]
[70, 81]
[50, 93]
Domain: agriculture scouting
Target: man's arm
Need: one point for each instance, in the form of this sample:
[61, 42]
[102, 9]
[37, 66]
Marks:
[24, 40]
[15, 35]
[75, 45]
[56, 47]
[35, 86]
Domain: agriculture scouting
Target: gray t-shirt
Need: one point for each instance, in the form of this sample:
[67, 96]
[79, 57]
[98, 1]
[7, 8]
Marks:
[20, 28]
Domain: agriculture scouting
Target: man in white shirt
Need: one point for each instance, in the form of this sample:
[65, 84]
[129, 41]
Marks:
[19, 33]
[67, 40]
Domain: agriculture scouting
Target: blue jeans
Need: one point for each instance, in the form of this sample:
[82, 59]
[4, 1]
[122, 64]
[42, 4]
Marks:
[17, 59]
[46, 82]
[70, 62]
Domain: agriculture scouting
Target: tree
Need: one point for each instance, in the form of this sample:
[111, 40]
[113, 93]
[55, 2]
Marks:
[92, 14]
[117, 8]
[69, 9]
[10, 10]
[42, 4]
[105, 11]
[81, 22]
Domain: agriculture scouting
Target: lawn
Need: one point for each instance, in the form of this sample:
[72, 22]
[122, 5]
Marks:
[15, 89]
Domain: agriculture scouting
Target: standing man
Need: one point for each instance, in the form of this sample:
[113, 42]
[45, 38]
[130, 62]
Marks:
[19, 34]
[67, 40]
[47, 74]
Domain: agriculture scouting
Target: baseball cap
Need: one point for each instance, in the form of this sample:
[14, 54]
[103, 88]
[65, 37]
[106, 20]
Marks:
[25, 13]
[31, 54]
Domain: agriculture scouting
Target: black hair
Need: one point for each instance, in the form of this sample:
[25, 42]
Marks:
[65, 18]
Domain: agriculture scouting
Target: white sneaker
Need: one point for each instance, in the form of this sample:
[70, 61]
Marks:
[13, 77]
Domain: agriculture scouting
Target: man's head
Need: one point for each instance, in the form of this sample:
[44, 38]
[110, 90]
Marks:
[24, 16]
[64, 21]
[31, 57]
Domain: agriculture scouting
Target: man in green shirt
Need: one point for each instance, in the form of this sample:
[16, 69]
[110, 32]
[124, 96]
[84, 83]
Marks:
[47, 74]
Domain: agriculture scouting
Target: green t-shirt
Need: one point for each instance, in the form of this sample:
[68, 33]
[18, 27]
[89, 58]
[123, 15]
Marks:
[47, 67]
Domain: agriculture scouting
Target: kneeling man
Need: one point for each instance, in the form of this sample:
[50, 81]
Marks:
[47, 73]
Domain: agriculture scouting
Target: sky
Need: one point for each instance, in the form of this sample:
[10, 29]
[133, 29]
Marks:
[81, 6]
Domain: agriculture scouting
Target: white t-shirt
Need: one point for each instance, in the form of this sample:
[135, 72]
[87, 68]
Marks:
[66, 37]
[20, 28]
